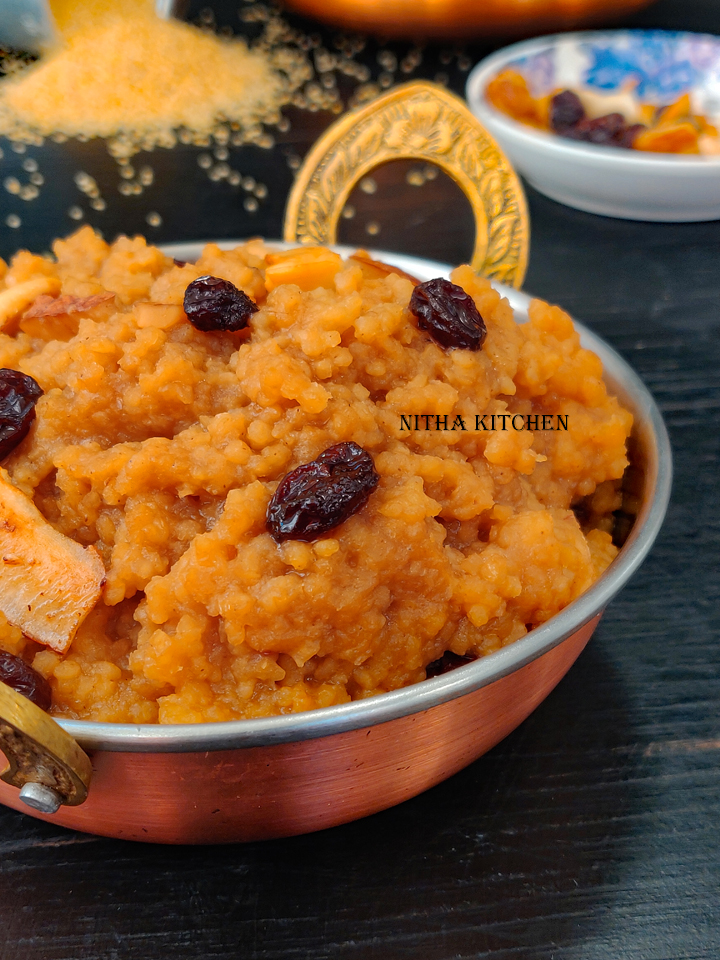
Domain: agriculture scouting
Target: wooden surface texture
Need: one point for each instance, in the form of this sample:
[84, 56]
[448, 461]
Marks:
[593, 831]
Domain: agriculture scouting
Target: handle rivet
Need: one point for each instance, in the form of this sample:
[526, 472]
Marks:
[41, 798]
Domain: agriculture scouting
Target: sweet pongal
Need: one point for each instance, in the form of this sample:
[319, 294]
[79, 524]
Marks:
[162, 447]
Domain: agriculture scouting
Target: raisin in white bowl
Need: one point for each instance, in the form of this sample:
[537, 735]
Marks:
[616, 182]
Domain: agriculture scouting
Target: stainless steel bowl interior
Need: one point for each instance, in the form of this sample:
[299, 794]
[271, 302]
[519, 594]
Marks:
[655, 452]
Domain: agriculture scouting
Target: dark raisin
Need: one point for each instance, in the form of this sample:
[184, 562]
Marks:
[606, 131]
[18, 396]
[630, 135]
[448, 314]
[18, 675]
[447, 662]
[566, 110]
[214, 304]
[318, 496]
[180, 263]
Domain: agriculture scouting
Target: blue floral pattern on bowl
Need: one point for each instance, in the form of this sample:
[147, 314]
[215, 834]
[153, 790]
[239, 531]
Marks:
[661, 65]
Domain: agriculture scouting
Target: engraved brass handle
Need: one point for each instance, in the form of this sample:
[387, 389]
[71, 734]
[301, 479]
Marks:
[416, 121]
[44, 761]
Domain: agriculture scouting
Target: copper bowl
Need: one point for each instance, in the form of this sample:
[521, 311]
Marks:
[285, 775]
[460, 19]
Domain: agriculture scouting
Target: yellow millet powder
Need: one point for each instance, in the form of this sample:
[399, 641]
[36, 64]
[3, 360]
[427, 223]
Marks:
[119, 70]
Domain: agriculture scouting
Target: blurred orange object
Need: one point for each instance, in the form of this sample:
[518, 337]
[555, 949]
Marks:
[460, 19]
[509, 92]
[680, 137]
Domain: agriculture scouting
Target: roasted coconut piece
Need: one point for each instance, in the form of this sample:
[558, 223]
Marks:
[48, 582]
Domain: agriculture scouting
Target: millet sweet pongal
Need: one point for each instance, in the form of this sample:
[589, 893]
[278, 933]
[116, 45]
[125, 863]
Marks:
[161, 445]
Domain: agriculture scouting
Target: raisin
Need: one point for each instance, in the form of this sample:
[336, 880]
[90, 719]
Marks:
[316, 497]
[566, 110]
[448, 314]
[214, 304]
[18, 396]
[447, 662]
[606, 131]
[18, 675]
[631, 134]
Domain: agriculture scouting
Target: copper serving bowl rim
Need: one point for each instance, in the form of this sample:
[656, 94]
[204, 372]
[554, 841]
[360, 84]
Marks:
[481, 74]
[422, 696]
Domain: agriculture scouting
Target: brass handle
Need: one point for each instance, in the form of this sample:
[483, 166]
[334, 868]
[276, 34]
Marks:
[44, 761]
[416, 121]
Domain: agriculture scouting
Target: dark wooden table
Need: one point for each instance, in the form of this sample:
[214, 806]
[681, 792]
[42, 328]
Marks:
[592, 832]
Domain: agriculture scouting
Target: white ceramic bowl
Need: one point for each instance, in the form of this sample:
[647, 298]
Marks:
[609, 180]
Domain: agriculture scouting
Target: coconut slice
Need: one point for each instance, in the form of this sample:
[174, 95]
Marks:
[48, 582]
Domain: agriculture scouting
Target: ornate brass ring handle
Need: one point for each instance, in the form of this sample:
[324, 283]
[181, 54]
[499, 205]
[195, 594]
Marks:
[416, 121]
[44, 761]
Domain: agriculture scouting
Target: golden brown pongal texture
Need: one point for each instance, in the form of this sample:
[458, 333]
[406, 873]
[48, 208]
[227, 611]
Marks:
[162, 445]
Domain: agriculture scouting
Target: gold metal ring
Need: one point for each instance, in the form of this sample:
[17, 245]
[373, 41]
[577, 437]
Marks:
[416, 121]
